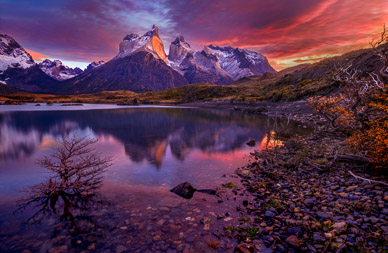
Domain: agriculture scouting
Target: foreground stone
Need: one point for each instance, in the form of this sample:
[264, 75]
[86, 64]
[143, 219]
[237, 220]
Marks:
[185, 190]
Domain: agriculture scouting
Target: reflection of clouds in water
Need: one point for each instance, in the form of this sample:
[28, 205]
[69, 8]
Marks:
[17, 144]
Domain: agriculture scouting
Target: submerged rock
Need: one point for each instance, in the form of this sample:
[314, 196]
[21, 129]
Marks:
[185, 190]
[251, 143]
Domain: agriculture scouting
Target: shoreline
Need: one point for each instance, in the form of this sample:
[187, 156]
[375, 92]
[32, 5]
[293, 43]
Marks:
[304, 199]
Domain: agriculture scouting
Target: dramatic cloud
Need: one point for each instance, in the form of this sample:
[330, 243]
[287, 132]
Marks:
[287, 32]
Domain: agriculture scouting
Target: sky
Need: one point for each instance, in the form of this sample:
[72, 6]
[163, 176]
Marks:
[287, 32]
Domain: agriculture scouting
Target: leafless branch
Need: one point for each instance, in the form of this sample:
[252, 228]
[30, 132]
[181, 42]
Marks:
[370, 181]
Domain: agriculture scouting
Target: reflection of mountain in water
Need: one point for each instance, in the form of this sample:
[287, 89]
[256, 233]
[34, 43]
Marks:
[145, 133]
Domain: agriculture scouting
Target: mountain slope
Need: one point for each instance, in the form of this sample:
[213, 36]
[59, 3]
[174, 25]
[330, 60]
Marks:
[140, 66]
[31, 79]
[138, 72]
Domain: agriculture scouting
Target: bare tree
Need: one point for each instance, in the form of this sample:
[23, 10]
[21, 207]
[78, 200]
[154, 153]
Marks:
[76, 170]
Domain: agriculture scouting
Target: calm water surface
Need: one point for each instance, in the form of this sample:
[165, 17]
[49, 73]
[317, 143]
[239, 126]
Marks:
[154, 149]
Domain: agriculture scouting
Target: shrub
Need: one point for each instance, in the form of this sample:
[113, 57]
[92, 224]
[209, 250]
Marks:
[360, 110]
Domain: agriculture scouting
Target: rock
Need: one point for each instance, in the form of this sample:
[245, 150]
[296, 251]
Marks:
[169, 202]
[343, 195]
[268, 240]
[293, 241]
[185, 190]
[251, 143]
[269, 214]
[190, 239]
[310, 202]
[59, 249]
[120, 249]
[374, 220]
[244, 173]
[228, 219]
[339, 226]
[207, 191]
[244, 248]
[328, 235]
[92, 246]
[351, 188]
[317, 237]
[294, 230]
[311, 248]
[323, 215]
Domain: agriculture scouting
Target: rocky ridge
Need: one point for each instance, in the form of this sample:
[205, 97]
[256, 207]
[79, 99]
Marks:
[57, 70]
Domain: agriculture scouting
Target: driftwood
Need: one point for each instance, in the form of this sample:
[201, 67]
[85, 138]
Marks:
[370, 181]
[349, 158]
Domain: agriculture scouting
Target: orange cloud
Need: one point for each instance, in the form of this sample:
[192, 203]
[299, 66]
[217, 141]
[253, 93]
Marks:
[36, 56]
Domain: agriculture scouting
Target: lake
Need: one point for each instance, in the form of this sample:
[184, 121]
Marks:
[153, 150]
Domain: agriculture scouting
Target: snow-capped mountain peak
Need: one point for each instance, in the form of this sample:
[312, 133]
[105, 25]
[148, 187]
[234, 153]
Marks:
[149, 42]
[57, 70]
[240, 62]
[12, 55]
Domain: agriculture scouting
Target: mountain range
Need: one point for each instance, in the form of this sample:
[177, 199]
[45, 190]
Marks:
[141, 65]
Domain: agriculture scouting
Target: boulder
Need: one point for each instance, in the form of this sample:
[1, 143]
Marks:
[185, 190]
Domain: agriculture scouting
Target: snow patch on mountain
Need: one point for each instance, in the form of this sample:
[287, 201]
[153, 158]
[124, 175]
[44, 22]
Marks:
[12, 55]
[57, 70]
